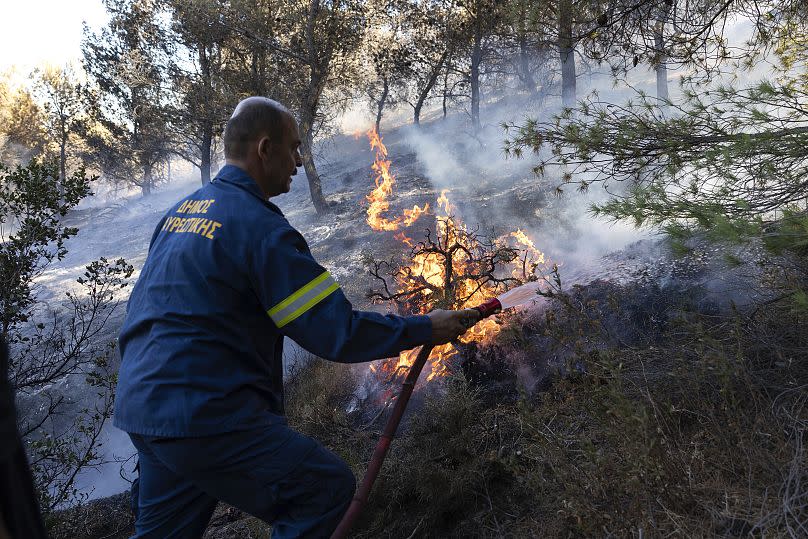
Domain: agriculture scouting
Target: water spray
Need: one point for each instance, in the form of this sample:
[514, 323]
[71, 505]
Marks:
[512, 298]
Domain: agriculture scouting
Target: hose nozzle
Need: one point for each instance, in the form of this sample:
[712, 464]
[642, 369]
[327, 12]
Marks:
[490, 307]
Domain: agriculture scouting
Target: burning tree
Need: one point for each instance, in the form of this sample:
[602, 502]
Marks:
[450, 269]
[453, 268]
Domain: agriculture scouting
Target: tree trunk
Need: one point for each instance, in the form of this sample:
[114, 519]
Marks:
[566, 49]
[60, 185]
[524, 66]
[424, 93]
[315, 184]
[63, 159]
[148, 179]
[308, 113]
[445, 93]
[662, 79]
[318, 66]
[207, 122]
[524, 54]
[382, 102]
[207, 141]
[257, 72]
[476, 60]
[660, 53]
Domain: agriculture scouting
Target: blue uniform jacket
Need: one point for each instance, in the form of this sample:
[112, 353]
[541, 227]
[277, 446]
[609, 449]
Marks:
[226, 278]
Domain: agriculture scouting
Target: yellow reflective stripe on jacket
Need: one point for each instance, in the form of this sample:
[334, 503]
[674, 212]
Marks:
[304, 299]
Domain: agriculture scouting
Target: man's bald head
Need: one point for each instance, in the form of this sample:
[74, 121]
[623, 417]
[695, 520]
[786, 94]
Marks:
[263, 139]
[253, 118]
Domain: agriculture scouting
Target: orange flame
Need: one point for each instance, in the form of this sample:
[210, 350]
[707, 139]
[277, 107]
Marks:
[378, 198]
[522, 238]
[406, 240]
[443, 202]
[532, 255]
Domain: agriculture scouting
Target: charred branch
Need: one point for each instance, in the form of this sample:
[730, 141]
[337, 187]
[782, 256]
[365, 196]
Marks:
[448, 268]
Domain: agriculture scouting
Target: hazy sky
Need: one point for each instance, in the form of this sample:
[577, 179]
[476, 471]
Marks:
[37, 31]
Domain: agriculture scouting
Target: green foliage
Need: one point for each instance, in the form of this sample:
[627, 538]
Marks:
[318, 395]
[22, 132]
[32, 202]
[724, 170]
[126, 60]
[66, 104]
[110, 518]
[687, 437]
[47, 347]
[62, 431]
[724, 163]
[445, 466]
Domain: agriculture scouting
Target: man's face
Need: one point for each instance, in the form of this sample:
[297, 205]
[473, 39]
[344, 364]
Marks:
[281, 159]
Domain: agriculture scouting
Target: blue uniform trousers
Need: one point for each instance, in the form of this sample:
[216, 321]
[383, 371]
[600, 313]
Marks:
[272, 472]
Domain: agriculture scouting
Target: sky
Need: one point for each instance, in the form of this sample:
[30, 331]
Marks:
[39, 31]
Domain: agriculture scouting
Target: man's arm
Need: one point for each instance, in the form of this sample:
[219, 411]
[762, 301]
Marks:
[306, 304]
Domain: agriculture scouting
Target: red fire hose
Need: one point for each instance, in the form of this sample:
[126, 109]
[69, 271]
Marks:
[488, 308]
[362, 493]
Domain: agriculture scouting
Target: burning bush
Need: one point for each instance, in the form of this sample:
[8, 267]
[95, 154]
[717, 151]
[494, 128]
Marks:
[454, 268]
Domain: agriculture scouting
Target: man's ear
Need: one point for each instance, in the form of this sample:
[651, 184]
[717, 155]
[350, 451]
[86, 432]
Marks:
[264, 146]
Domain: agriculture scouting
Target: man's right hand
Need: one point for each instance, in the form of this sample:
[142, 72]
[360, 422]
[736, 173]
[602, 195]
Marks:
[449, 325]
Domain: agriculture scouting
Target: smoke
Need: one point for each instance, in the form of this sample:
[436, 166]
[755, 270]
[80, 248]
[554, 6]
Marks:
[184, 180]
[491, 190]
[485, 185]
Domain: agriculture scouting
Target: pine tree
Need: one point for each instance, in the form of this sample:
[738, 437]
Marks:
[127, 62]
[726, 162]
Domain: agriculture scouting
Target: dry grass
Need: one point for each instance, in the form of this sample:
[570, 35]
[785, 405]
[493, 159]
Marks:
[699, 432]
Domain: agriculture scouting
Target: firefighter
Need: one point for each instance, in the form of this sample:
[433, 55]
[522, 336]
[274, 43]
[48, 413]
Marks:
[200, 388]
